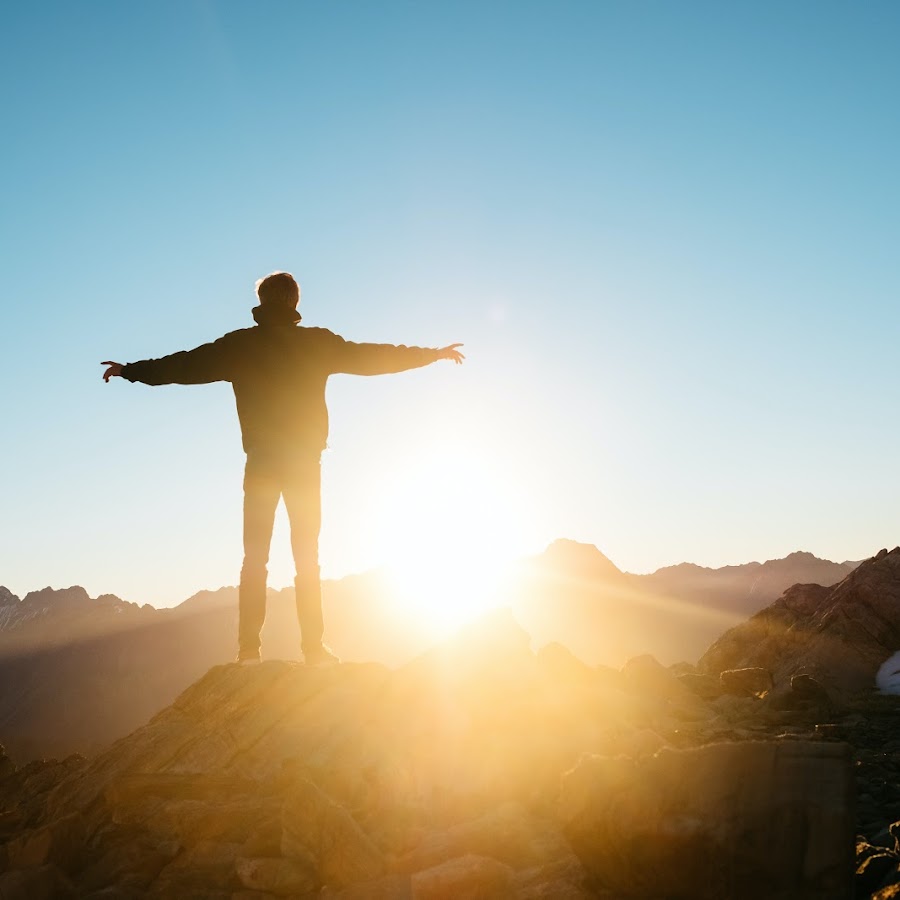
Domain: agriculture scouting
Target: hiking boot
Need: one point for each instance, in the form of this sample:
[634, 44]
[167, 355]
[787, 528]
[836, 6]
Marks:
[248, 659]
[320, 656]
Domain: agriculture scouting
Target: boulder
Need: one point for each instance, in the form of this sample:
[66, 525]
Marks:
[41, 883]
[704, 686]
[752, 681]
[509, 834]
[277, 876]
[60, 843]
[644, 675]
[773, 819]
[469, 877]
[314, 826]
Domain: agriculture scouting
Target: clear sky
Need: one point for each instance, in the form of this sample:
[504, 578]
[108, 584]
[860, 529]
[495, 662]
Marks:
[666, 232]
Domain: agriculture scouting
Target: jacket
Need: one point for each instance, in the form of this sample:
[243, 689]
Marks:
[279, 373]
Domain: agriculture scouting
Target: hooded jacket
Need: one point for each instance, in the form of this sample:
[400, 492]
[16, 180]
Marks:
[278, 372]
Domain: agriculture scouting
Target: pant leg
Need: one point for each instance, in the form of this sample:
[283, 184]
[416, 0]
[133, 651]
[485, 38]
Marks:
[262, 490]
[303, 499]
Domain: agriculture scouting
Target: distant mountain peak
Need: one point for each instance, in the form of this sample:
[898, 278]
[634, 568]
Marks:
[570, 555]
[7, 597]
[49, 596]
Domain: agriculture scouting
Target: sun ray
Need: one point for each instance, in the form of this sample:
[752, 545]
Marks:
[450, 528]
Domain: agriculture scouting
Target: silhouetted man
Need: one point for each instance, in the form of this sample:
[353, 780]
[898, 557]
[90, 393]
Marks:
[278, 371]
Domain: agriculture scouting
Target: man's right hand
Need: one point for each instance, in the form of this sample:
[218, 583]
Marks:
[114, 370]
[451, 352]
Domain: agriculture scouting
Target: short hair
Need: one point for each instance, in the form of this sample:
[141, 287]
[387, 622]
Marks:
[279, 288]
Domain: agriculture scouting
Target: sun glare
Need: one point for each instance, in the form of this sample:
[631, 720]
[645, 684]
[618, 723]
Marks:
[449, 530]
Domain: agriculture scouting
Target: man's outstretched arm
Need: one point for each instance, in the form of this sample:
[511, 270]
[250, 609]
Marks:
[209, 362]
[384, 359]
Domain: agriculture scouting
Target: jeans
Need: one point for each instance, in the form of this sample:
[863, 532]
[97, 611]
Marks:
[268, 477]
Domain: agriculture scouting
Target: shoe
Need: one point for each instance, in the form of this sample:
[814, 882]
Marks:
[320, 656]
[248, 659]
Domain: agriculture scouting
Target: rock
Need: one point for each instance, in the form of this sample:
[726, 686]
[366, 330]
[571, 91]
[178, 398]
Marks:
[126, 858]
[466, 878]
[873, 866]
[704, 686]
[540, 888]
[563, 665]
[205, 864]
[644, 675]
[725, 820]
[60, 843]
[276, 876]
[315, 826]
[509, 834]
[640, 742]
[749, 682]
[806, 689]
[7, 766]
[41, 883]
[390, 887]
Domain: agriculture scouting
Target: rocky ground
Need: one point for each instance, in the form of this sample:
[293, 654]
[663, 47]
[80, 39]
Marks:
[480, 770]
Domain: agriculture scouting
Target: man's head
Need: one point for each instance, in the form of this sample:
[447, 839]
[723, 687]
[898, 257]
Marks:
[278, 289]
[278, 296]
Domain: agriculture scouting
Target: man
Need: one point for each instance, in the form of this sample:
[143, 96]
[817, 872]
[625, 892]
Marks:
[278, 371]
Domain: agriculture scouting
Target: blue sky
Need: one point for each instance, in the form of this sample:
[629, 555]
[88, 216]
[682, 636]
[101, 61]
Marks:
[665, 232]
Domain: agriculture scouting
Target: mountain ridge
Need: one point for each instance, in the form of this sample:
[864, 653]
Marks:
[81, 672]
[557, 550]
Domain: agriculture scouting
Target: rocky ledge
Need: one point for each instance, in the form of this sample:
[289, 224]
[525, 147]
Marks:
[480, 770]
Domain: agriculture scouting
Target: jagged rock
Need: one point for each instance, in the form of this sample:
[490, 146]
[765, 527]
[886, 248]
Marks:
[60, 843]
[873, 867]
[755, 819]
[280, 877]
[129, 860]
[537, 886]
[704, 686]
[466, 878]
[638, 743]
[644, 675]
[206, 864]
[563, 665]
[7, 766]
[192, 808]
[749, 682]
[390, 887]
[509, 834]
[840, 635]
[315, 826]
[42, 883]
[806, 689]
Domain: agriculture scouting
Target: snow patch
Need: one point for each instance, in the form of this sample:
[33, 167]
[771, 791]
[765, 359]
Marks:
[888, 678]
